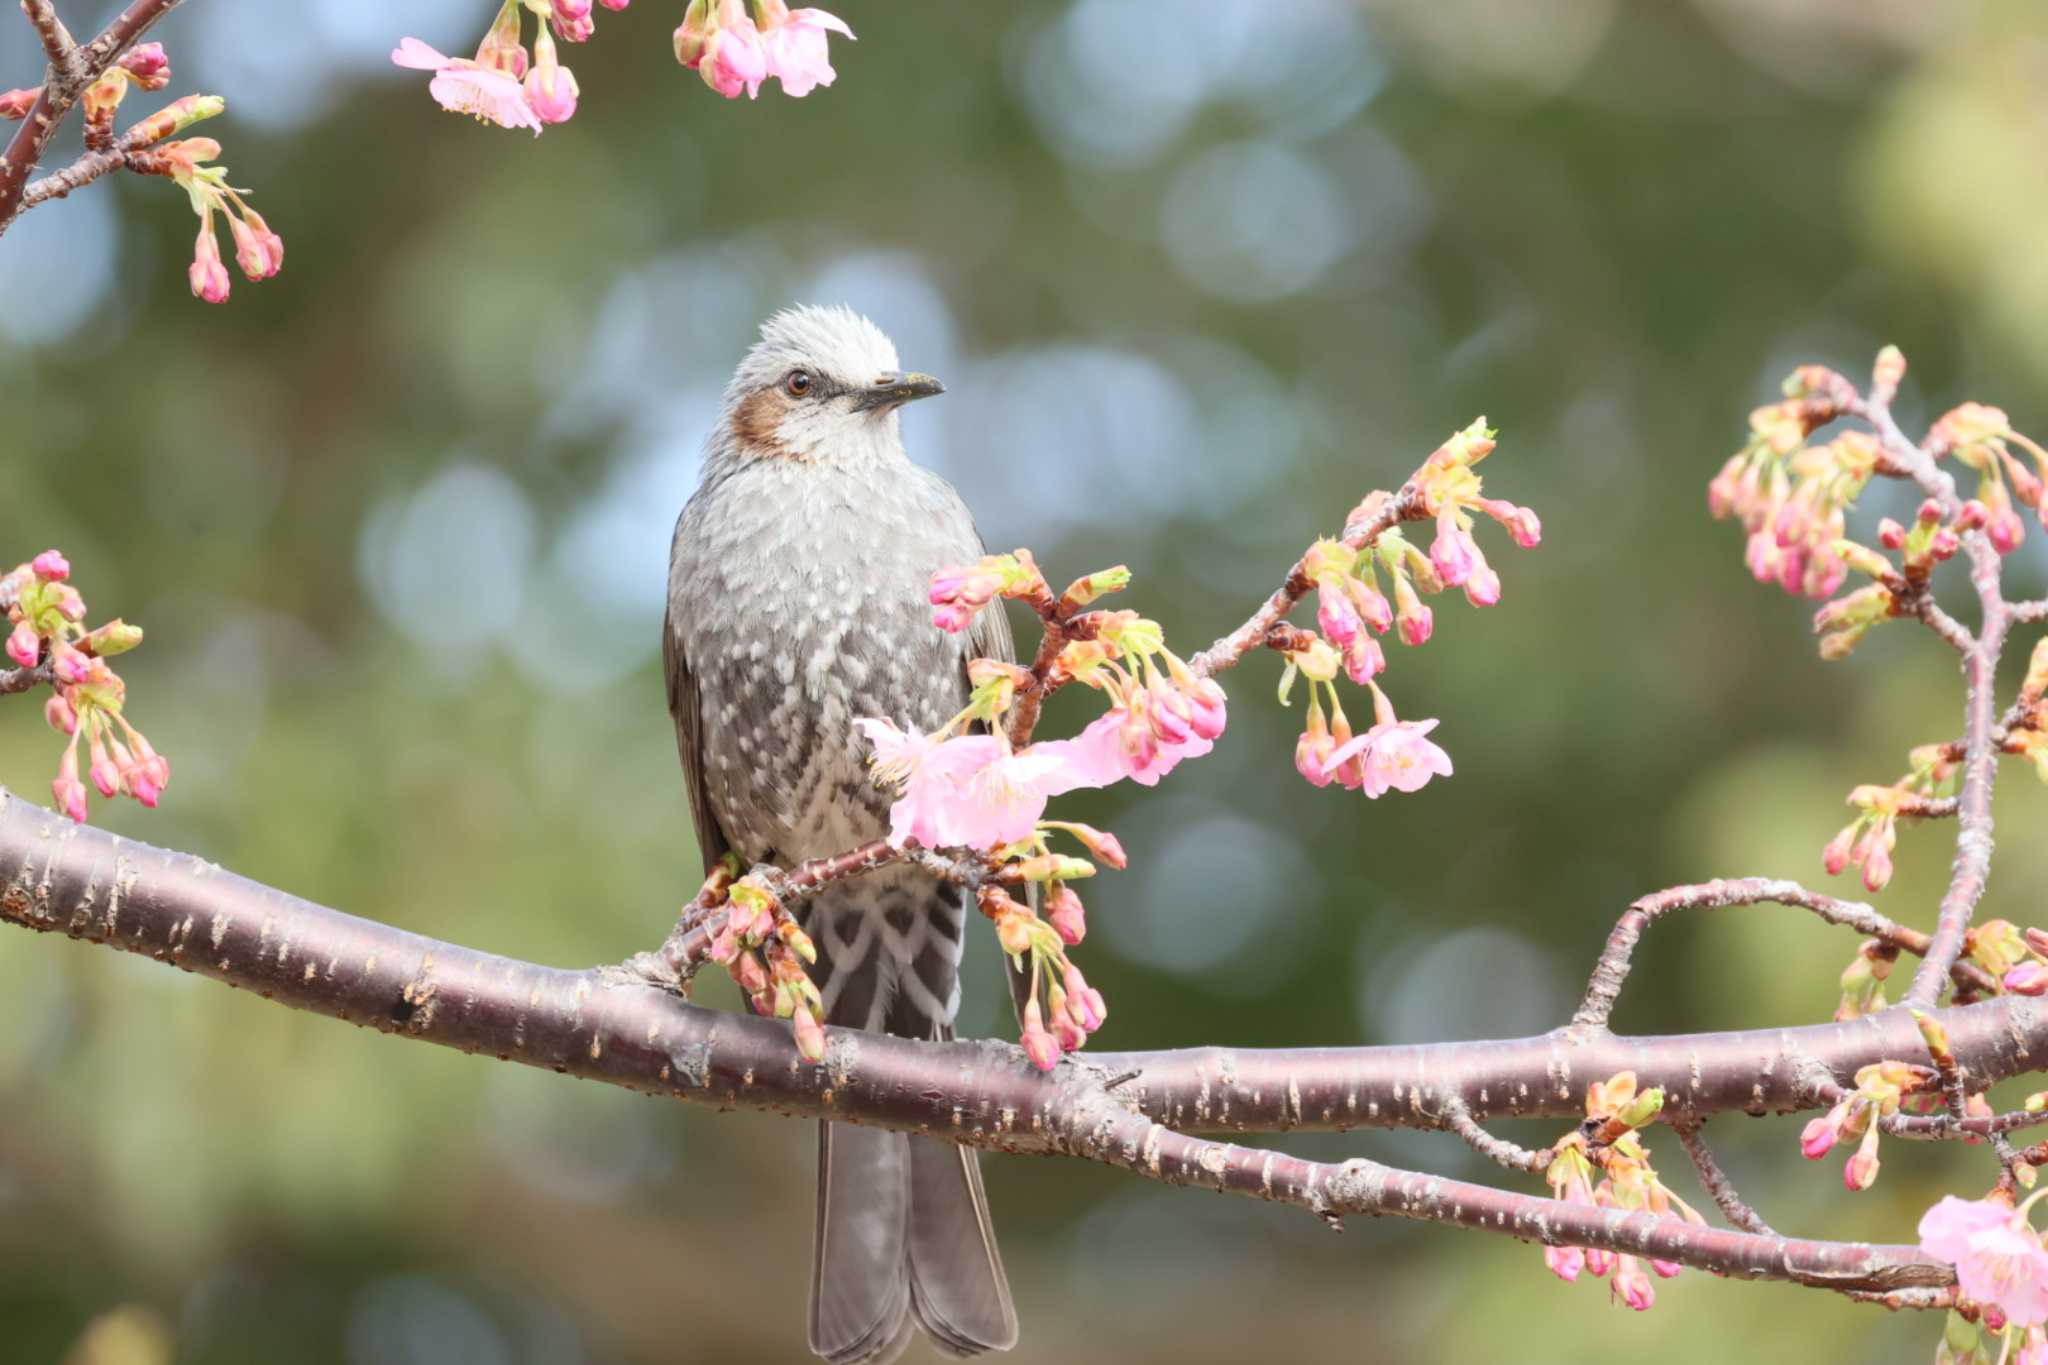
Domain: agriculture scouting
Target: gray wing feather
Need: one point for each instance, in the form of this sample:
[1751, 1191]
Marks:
[683, 706]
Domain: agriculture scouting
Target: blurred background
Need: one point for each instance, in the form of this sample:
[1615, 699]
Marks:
[1198, 277]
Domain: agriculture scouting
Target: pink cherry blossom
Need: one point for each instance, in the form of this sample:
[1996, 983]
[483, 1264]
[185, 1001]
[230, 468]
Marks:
[970, 791]
[1397, 756]
[1998, 1258]
[795, 46]
[463, 87]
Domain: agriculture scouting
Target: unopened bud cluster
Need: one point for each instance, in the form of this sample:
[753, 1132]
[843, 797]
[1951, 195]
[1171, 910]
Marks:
[764, 950]
[45, 616]
[1609, 1147]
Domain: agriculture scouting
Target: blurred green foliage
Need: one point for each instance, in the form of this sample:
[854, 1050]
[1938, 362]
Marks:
[1205, 280]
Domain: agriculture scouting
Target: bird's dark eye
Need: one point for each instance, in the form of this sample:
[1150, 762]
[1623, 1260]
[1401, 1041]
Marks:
[798, 383]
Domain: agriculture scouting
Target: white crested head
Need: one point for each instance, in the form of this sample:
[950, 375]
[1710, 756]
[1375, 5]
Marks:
[822, 385]
[836, 342]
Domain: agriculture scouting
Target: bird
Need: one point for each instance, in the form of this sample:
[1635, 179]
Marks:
[798, 603]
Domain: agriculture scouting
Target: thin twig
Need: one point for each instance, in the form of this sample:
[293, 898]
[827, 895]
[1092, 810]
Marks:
[1458, 1118]
[1405, 505]
[1715, 1181]
[1980, 750]
[14, 680]
[57, 41]
[1612, 969]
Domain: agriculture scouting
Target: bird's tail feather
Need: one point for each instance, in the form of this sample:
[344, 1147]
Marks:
[860, 1291]
[904, 1240]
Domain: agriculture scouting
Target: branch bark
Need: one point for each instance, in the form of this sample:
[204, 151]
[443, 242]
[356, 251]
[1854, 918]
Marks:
[608, 1025]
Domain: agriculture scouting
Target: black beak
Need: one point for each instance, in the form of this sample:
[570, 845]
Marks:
[894, 390]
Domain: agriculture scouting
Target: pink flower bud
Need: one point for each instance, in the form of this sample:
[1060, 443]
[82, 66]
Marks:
[51, 566]
[24, 646]
[1818, 1137]
[1373, 607]
[1452, 552]
[1417, 624]
[552, 91]
[2037, 939]
[810, 1038]
[1064, 911]
[1084, 1002]
[70, 794]
[616, 4]
[1013, 931]
[208, 277]
[1860, 1173]
[571, 11]
[252, 252]
[2006, 530]
[1890, 534]
[1482, 588]
[1633, 1287]
[2029, 978]
[61, 715]
[1336, 615]
[1877, 868]
[1564, 1262]
[1364, 660]
[1040, 1046]
[147, 63]
[1665, 1269]
[1102, 844]
[734, 58]
[1599, 1262]
[1835, 856]
[1070, 1035]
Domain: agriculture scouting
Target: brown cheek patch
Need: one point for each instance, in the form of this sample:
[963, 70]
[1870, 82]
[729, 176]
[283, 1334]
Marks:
[758, 419]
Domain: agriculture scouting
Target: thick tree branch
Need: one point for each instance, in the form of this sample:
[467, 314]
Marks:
[605, 1025]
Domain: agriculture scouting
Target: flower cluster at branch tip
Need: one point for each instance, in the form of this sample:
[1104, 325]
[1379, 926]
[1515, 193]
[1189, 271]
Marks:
[513, 85]
[1791, 497]
[1352, 611]
[259, 251]
[46, 619]
[1607, 1144]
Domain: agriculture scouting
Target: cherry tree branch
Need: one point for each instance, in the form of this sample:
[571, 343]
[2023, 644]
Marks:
[604, 1024]
[66, 81]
